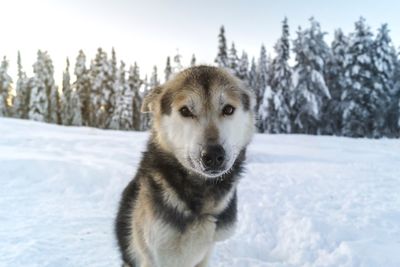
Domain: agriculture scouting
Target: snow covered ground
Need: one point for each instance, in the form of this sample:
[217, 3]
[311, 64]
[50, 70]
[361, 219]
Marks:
[305, 200]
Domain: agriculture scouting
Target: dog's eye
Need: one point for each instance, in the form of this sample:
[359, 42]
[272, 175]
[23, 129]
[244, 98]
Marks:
[185, 112]
[228, 110]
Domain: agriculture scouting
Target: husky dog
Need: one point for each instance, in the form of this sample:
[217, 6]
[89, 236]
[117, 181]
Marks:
[183, 197]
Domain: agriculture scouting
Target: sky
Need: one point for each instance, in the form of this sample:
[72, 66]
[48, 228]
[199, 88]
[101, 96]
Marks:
[149, 31]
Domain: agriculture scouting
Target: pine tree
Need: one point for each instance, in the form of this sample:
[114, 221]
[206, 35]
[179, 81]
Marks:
[76, 108]
[262, 76]
[384, 66]
[177, 67]
[193, 61]
[66, 113]
[233, 60]
[310, 90]
[222, 56]
[39, 101]
[82, 87]
[335, 80]
[394, 112]
[21, 101]
[44, 99]
[122, 116]
[52, 90]
[168, 69]
[146, 87]
[5, 89]
[253, 75]
[357, 112]
[102, 74]
[243, 69]
[134, 85]
[278, 115]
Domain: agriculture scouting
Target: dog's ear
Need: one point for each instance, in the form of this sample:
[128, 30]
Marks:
[151, 99]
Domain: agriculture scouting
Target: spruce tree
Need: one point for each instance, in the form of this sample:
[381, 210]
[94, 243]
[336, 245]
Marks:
[52, 91]
[193, 61]
[262, 76]
[122, 116]
[5, 89]
[280, 81]
[357, 113]
[335, 80]
[21, 101]
[145, 88]
[222, 56]
[168, 69]
[39, 101]
[233, 60]
[44, 98]
[177, 66]
[76, 108]
[382, 94]
[253, 76]
[134, 85]
[243, 69]
[394, 112]
[82, 87]
[66, 113]
[310, 90]
[102, 77]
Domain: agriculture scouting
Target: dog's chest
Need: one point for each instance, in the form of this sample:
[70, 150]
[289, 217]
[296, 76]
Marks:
[176, 248]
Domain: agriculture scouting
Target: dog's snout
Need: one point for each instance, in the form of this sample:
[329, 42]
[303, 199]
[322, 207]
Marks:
[213, 156]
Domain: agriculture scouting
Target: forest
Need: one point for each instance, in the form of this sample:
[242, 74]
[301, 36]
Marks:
[350, 87]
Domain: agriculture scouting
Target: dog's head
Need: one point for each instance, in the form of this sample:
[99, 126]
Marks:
[204, 116]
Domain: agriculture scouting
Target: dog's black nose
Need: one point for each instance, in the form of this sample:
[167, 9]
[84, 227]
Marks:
[213, 156]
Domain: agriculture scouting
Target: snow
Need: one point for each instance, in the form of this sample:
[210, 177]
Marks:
[304, 201]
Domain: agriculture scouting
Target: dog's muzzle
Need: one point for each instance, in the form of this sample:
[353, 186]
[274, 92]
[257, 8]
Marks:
[213, 158]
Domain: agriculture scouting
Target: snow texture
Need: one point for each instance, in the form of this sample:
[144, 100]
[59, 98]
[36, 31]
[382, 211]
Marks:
[304, 200]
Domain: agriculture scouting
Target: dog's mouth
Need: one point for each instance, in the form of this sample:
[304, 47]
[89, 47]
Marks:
[208, 172]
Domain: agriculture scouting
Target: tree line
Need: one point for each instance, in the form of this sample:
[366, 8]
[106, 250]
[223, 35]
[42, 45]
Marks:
[348, 88]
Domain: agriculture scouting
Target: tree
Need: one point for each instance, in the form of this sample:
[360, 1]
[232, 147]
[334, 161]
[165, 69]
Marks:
[335, 80]
[222, 56]
[134, 85]
[383, 86]
[233, 60]
[21, 101]
[280, 81]
[177, 62]
[146, 87]
[102, 75]
[243, 68]
[262, 76]
[44, 99]
[394, 111]
[311, 92]
[253, 76]
[193, 61]
[82, 88]
[66, 113]
[122, 116]
[359, 83]
[168, 69]
[5, 89]
[76, 108]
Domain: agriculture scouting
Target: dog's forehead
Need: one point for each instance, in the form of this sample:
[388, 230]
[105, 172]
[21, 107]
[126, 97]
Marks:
[204, 85]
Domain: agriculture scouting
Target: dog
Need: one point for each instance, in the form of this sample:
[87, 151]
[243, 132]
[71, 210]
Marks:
[183, 198]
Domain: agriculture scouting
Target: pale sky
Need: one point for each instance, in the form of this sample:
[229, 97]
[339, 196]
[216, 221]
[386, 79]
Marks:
[148, 31]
